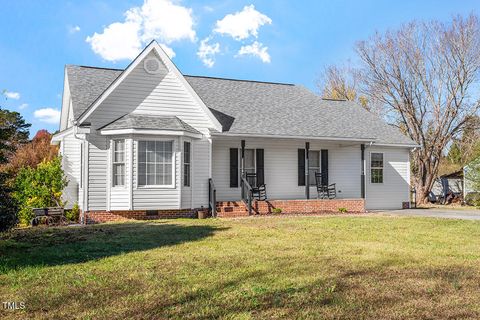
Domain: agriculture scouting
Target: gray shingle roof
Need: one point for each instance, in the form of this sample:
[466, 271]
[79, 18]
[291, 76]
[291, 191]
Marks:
[257, 108]
[250, 107]
[87, 84]
[150, 122]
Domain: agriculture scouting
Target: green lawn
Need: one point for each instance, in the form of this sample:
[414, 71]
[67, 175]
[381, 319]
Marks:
[275, 267]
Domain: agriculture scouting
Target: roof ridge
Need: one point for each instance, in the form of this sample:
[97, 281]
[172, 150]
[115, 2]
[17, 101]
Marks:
[94, 67]
[242, 80]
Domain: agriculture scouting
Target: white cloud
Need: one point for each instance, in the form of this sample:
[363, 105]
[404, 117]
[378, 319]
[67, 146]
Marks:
[255, 49]
[207, 52]
[162, 20]
[169, 51]
[242, 24]
[208, 9]
[12, 95]
[23, 106]
[73, 29]
[48, 115]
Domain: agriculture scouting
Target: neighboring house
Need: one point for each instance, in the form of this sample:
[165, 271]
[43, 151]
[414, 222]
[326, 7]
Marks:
[147, 139]
[452, 182]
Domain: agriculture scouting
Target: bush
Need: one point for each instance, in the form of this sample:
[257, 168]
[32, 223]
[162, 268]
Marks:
[342, 210]
[277, 210]
[8, 206]
[39, 187]
[473, 199]
[73, 214]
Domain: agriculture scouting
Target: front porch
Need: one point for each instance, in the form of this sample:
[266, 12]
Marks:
[292, 171]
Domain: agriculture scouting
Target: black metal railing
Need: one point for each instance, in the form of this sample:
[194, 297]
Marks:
[247, 194]
[212, 198]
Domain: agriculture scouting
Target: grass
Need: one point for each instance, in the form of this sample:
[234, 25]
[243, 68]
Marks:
[272, 267]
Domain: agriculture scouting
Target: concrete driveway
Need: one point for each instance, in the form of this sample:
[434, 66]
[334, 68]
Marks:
[466, 214]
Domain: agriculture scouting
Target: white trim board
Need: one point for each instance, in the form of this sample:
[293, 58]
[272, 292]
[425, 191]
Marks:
[150, 132]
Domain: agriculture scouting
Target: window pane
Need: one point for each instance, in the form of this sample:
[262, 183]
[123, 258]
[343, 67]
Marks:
[159, 174]
[168, 146]
[249, 159]
[151, 156]
[142, 156]
[151, 179]
[168, 174]
[118, 175]
[151, 146]
[142, 146]
[186, 152]
[377, 160]
[186, 175]
[153, 162]
[141, 174]
[168, 157]
[314, 159]
[119, 156]
[377, 175]
[119, 145]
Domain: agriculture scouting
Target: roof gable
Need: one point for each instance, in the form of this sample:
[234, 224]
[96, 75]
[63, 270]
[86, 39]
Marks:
[135, 89]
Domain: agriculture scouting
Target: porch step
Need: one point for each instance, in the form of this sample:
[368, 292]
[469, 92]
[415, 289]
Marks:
[231, 209]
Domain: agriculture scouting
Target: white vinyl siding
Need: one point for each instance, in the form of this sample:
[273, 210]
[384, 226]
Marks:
[71, 164]
[281, 167]
[396, 185]
[201, 172]
[97, 174]
[156, 94]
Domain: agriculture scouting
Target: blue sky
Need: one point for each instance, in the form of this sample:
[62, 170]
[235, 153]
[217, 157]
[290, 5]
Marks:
[284, 41]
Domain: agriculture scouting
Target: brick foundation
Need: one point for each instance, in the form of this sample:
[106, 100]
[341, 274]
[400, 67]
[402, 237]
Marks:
[91, 217]
[312, 206]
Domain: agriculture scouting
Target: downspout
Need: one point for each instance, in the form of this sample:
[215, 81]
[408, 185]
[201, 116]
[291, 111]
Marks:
[307, 170]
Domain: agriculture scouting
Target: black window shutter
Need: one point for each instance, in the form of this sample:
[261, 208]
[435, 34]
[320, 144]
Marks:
[260, 168]
[233, 168]
[324, 169]
[301, 167]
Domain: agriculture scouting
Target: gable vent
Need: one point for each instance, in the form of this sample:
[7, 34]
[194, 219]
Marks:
[152, 65]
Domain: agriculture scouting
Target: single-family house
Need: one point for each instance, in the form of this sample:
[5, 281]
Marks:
[148, 141]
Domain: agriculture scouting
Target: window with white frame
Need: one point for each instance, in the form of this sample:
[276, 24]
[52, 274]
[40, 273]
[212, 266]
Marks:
[186, 163]
[155, 163]
[376, 167]
[118, 163]
[313, 166]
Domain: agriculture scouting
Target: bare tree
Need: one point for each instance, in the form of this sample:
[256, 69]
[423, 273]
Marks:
[341, 83]
[424, 75]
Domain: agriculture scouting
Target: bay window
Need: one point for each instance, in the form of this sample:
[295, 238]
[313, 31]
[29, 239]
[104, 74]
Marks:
[155, 163]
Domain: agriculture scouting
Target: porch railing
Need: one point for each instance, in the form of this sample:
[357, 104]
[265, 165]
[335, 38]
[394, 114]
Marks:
[247, 195]
[212, 198]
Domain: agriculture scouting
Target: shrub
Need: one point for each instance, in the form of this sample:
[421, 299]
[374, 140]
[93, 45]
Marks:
[473, 199]
[8, 206]
[277, 210]
[73, 214]
[39, 187]
[343, 210]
